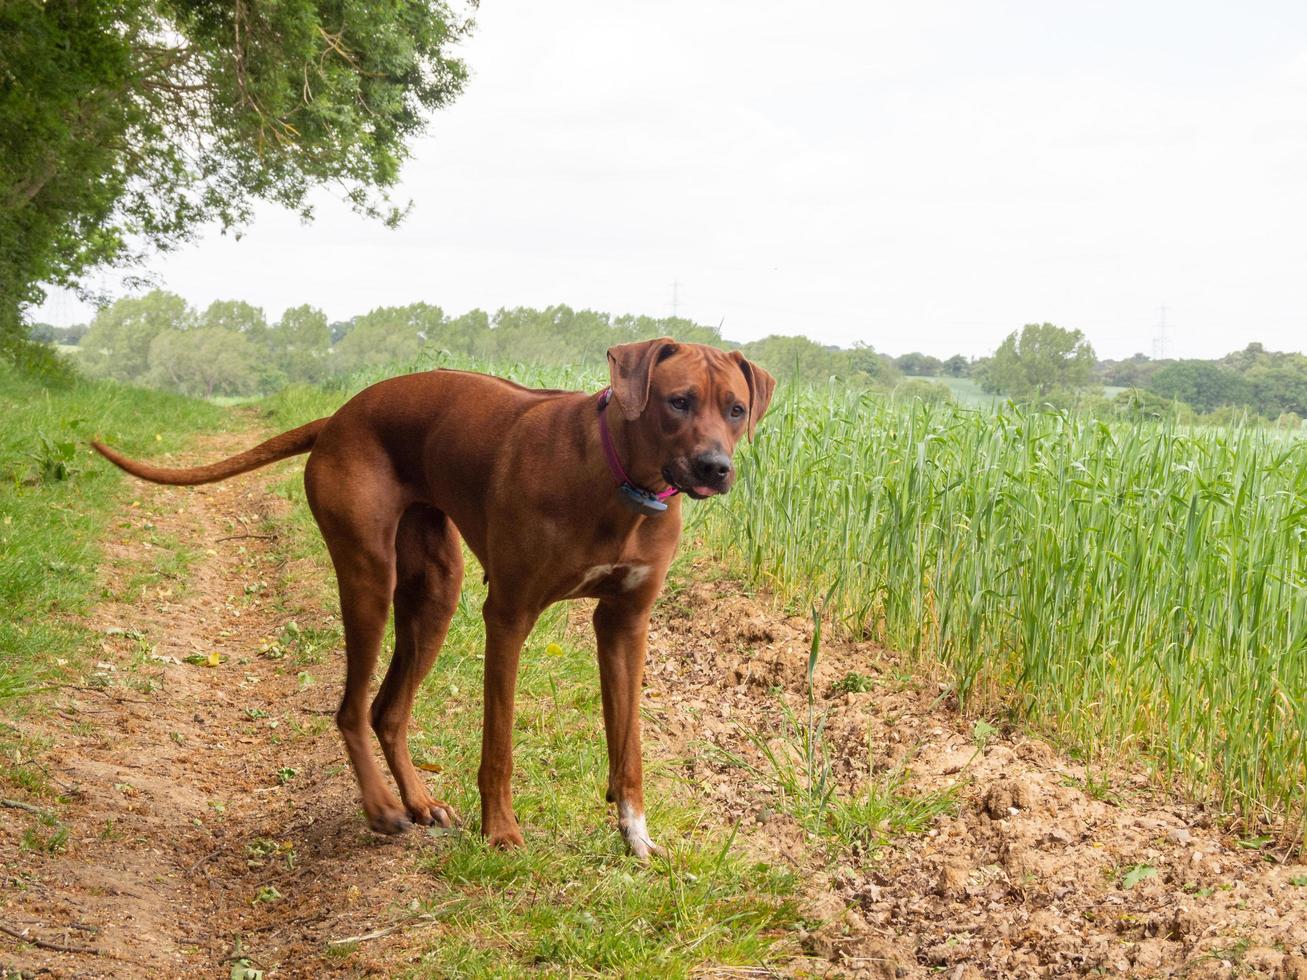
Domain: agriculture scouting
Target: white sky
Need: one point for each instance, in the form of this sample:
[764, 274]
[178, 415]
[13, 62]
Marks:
[915, 176]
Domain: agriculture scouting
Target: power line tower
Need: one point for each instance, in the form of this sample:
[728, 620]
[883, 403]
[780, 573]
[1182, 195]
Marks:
[676, 298]
[1159, 335]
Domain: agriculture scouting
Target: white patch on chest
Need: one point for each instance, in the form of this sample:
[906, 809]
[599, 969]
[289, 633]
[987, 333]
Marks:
[635, 577]
[626, 577]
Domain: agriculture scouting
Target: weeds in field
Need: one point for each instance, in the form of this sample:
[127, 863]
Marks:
[981, 733]
[853, 683]
[807, 789]
[52, 840]
[798, 763]
[1133, 875]
[53, 459]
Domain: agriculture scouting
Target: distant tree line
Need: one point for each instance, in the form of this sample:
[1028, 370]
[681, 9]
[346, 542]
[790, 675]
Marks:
[231, 348]
[1046, 363]
[1270, 384]
[919, 365]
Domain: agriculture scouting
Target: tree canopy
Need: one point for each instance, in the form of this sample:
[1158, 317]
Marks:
[228, 349]
[1201, 384]
[125, 125]
[919, 364]
[1039, 359]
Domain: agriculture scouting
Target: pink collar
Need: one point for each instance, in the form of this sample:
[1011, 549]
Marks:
[636, 497]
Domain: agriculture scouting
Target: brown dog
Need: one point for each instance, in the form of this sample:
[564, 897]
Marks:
[530, 479]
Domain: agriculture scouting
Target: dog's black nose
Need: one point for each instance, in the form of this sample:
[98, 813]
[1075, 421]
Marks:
[713, 468]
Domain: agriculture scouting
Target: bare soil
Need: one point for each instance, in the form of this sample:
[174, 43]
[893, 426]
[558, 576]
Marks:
[186, 804]
[1030, 877]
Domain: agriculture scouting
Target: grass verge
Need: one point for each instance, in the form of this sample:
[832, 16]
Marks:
[55, 498]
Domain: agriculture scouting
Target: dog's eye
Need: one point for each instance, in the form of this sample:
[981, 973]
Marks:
[680, 403]
[737, 411]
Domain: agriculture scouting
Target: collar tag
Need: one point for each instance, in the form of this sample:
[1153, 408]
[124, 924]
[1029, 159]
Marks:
[640, 501]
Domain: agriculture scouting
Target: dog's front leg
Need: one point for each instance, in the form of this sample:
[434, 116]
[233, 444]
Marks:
[622, 629]
[506, 631]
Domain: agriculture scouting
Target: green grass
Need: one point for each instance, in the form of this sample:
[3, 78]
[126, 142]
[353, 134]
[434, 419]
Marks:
[1135, 588]
[56, 496]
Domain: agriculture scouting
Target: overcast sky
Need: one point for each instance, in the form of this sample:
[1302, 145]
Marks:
[913, 176]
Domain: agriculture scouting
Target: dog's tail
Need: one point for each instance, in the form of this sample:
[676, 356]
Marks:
[287, 444]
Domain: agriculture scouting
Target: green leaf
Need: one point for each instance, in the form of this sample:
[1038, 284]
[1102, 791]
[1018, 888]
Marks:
[982, 731]
[1137, 874]
[267, 895]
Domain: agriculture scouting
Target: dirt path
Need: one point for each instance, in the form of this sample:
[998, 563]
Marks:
[207, 803]
[197, 791]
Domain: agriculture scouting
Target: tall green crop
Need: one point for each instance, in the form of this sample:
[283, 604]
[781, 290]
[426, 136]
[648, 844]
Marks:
[1137, 585]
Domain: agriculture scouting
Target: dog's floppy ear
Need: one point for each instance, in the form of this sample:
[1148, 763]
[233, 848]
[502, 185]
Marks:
[630, 367]
[761, 387]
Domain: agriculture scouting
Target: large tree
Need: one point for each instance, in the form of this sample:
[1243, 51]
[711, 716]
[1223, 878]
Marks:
[206, 361]
[388, 335]
[301, 343]
[238, 316]
[1038, 360]
[957, 366]
[127, 124]
[803, 359]
[919, 364]
[118, 343]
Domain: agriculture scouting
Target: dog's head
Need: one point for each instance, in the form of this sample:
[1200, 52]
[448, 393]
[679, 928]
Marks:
[690, 405]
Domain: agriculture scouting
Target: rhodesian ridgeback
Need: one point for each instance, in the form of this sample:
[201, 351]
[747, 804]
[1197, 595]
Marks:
[559, 495]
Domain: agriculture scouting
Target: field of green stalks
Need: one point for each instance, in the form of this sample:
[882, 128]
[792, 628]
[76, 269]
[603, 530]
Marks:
[1127, 587]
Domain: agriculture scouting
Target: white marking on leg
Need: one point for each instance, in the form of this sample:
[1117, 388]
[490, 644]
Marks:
[635, 830]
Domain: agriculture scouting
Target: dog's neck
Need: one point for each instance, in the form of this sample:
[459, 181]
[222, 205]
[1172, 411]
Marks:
[638, 497]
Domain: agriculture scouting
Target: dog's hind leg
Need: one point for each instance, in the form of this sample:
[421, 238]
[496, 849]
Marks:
[429, 573]
[359, 529]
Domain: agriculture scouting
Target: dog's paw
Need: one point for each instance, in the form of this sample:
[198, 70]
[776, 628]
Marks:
[506, 840]
[389, 820]
[637, 838]
[429, 812]
[642, 849]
